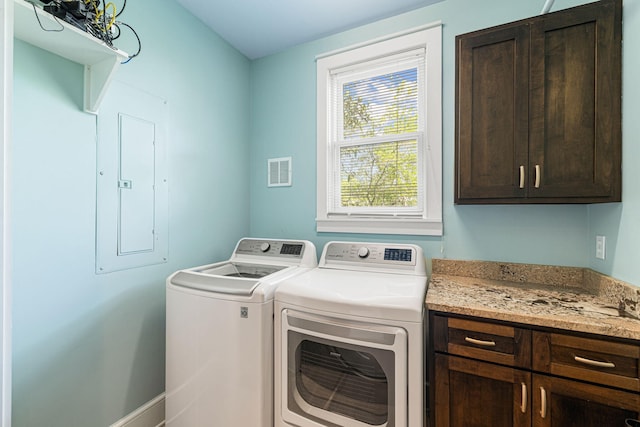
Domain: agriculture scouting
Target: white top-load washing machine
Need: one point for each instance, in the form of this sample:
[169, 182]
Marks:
[219, 351]
[349, 339]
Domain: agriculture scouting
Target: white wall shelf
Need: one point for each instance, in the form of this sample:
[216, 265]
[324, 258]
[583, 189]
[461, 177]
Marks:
[99, 59]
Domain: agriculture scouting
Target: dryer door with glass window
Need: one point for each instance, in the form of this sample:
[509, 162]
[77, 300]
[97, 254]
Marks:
[343, 373]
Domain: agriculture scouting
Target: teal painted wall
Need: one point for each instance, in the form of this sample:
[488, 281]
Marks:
[620, 222]
[89, 349]
[284, 120]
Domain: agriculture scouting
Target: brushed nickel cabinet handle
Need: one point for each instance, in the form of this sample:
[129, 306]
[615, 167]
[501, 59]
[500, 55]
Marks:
[480, 342]
[523, 405]
[594, 362]
[537, 183]
[521, 176]
[543, 406]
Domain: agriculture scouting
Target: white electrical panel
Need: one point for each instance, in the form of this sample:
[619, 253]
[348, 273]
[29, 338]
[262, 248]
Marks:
[132, 188]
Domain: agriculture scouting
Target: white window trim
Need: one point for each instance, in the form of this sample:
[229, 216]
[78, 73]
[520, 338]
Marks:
[6, 97]
[430, 222]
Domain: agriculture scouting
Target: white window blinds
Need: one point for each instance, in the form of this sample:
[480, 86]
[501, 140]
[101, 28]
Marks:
[377, 136]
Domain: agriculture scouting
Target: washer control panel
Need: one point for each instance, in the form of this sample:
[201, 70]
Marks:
[275, 248]
[372, 255]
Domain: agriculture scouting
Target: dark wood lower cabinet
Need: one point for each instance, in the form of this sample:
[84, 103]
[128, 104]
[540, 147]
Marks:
[559, 402]
[568, 380]
[470, 393]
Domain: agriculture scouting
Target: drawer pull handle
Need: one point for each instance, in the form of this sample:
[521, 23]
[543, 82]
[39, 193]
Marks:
[543, 406]
[537, 183]
[521, 176]
[594, 362]
[480, 342]
[523, 405]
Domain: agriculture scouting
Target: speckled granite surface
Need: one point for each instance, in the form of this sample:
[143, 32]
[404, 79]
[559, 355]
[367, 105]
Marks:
[570, 298]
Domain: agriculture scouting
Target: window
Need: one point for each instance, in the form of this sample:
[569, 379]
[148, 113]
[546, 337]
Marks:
[380, 137]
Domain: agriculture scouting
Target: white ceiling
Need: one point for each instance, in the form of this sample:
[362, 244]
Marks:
[261, 27]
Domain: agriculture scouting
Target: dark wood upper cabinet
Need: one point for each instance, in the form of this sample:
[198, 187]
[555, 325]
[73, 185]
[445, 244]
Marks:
[538, 109]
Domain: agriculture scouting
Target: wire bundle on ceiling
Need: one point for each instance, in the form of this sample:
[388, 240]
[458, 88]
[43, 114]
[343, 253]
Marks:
[96, 17]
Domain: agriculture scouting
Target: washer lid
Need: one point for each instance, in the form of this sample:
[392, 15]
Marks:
[240, 269]
[219, 284]
[233, 278]
[358, 293]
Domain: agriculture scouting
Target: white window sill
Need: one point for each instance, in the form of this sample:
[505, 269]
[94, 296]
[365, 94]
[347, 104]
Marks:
[408, 226]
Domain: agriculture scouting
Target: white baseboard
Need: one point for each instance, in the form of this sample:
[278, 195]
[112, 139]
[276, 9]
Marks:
[151, 414]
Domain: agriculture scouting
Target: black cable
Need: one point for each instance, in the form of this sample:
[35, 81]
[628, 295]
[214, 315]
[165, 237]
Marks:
[35, 11]
[139, 42]
[124, 4]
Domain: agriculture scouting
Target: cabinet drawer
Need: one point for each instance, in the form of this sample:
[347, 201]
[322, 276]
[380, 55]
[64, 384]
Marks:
[594, 360]
[506, 345]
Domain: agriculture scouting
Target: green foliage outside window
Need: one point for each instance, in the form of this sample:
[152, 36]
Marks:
[382, 173]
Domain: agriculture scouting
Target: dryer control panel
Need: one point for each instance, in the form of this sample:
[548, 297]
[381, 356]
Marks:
[374, 256]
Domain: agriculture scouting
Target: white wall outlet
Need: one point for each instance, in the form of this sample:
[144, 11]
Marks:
[600, 247]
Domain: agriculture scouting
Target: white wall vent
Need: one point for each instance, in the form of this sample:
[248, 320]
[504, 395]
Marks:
[279, 172]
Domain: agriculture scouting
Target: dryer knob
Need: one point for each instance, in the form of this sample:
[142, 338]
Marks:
[265, 247]
[363, 252]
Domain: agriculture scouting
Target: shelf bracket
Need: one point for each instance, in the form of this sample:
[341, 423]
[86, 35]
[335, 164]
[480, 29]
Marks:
[96, 79]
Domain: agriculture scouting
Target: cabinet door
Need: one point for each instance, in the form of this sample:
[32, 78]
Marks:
[473, 393]
[575, 124]
[559, 402]
[492, 73]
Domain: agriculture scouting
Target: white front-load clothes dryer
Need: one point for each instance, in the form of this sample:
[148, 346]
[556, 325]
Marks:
[219, 351]
[349, 339]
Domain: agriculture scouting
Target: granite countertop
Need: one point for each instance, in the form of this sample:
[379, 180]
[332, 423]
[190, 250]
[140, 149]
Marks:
[569, 298]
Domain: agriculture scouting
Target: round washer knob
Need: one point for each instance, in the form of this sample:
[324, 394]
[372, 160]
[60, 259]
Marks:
[363, 252]
[265, 247]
